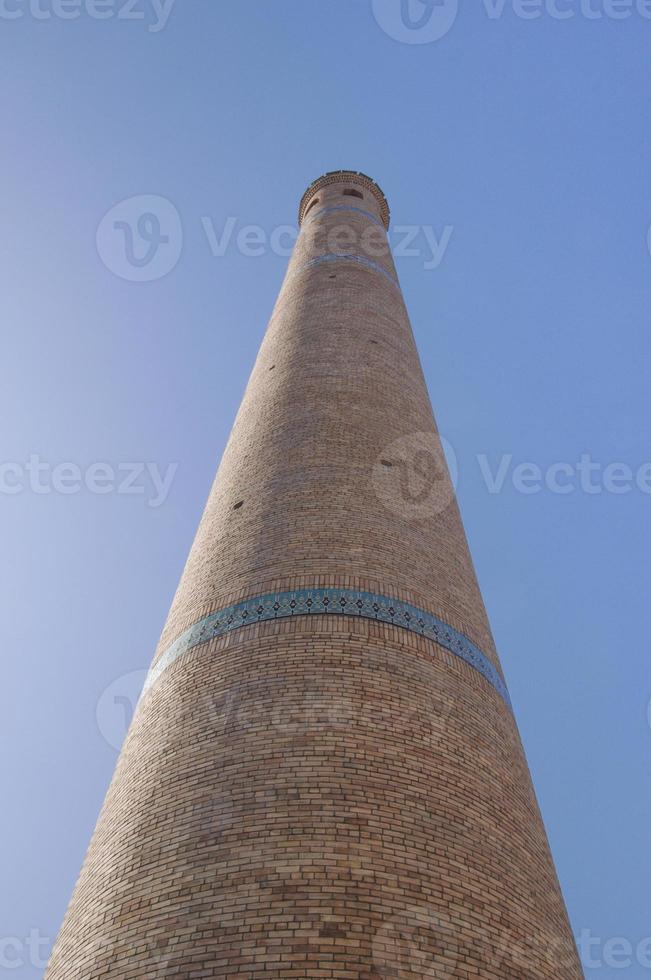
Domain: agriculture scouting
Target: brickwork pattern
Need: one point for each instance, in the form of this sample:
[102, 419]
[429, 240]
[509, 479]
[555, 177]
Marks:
[324, 796]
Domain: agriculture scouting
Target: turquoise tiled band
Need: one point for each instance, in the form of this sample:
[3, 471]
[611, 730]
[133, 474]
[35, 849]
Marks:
[338, 602]
[359, 259]
[339, 257]
[344, 207]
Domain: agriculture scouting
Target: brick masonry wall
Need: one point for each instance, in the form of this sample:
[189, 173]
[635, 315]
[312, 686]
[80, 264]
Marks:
[324, 796]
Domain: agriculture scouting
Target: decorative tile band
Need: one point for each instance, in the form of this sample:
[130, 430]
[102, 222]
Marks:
[337, 257]
[339, 602]
[343, 207]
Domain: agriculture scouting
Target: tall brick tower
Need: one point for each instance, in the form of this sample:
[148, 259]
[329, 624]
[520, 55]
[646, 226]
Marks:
[323, 777]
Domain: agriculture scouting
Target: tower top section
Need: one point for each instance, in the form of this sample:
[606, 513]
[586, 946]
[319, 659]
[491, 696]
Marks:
[353, 180]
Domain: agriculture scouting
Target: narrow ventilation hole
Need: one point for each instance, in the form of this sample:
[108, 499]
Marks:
[272, 367]
[374, 341]
[238, 505]
[308, 209]
[333, 276]
[352, 193]
[385, 462]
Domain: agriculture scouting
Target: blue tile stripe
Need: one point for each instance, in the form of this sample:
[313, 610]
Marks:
[344, 207]
[336, 257]
[339, 602]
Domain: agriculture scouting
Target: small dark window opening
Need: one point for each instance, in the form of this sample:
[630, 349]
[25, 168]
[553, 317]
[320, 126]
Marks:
[307, 210]
[272, 367]
[351, 193]
[333, 276]
[238, 505]
[385, 462]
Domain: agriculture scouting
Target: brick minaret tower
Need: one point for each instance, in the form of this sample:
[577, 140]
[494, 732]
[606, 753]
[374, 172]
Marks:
[323, 777]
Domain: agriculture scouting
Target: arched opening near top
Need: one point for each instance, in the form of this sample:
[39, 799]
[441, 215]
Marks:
[307, 210]
[352, 193]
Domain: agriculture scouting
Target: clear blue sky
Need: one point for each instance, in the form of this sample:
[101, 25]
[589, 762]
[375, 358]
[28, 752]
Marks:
[530, 139]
